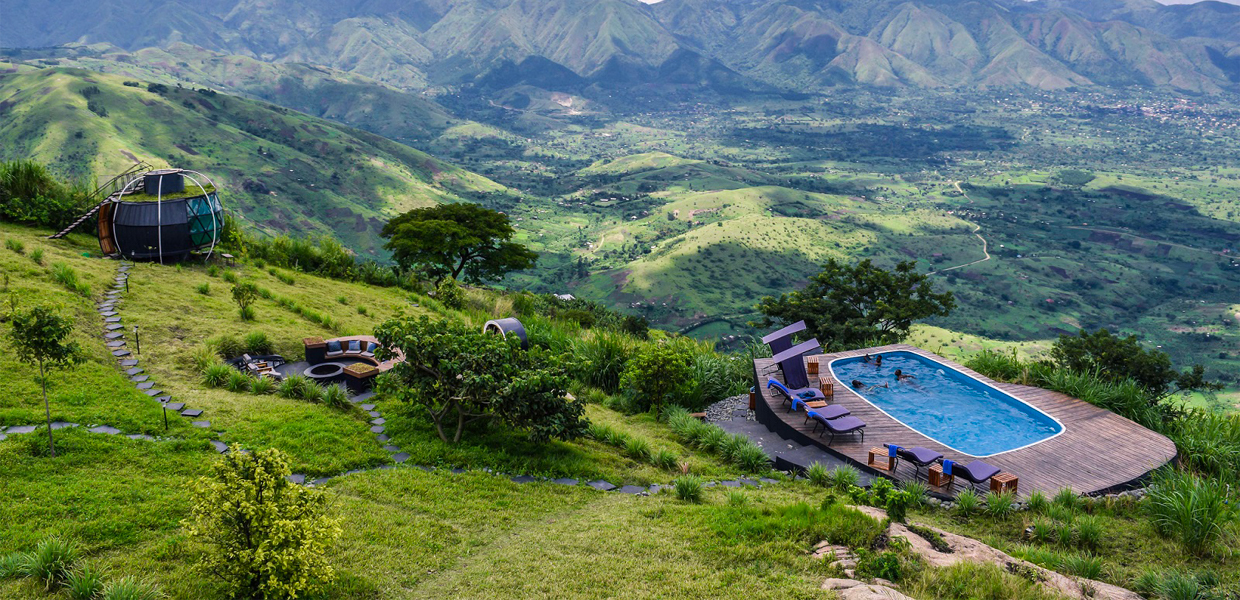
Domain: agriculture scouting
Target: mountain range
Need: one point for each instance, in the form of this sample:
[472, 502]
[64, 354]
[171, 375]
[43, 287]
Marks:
[731, 45]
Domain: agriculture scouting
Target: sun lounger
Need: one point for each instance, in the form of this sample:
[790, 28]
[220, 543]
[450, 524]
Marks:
[829, 412]
[792, 363]
[920, 457]
[841, 426]
[804, 395]
[976, 472]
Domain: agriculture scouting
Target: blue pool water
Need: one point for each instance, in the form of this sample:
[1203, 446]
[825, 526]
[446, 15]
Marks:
[946, 405]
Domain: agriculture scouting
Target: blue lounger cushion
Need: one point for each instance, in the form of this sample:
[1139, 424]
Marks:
[806, 394]
[976, 471]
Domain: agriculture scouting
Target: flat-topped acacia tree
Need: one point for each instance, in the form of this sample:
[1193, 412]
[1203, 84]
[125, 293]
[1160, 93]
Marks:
[38, 336]
[463, 241]
[462, 376]
[853, 305]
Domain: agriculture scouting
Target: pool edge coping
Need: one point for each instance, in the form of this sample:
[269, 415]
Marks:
[940, 361]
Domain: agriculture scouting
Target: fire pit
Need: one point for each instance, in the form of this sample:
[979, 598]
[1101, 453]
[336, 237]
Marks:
[325, 371]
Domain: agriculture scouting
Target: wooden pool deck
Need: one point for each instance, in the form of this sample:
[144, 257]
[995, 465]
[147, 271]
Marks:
[1097, 451]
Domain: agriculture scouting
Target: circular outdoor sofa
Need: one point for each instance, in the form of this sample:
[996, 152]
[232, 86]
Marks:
[357, 376]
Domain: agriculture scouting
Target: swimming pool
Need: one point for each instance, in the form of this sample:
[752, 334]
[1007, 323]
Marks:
[945, 405]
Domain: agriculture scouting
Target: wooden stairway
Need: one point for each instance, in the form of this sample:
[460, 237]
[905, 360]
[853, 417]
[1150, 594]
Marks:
[115, 185]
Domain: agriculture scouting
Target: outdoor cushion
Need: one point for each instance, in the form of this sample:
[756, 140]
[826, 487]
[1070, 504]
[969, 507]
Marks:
[977, 471]
[845, 424]
[355, 346]
[919, 455]
[333, 346]
[371, 347]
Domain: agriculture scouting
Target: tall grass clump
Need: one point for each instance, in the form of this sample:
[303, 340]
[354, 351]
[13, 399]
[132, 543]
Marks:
[262, 386]
[336, 397]
[52, 561]
[1000, 505]
[37, 256]
[665, 459]
[1037, 502]
[130, 588]
[689, 488]
[218, 374]
[237, 381]
[12, 565]
[84, 583]
[1082, 565]
[1193, 509]
[818, 475]
[637, 448]
[15, 245]
[292, 386]
[967, 502]
[68, 277]
[257, 342]
[752, 459]
[844, 477]
[601, 357]
[1209, 443]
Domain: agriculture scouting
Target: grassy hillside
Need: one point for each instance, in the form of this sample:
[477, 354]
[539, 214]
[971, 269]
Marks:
[279, 170]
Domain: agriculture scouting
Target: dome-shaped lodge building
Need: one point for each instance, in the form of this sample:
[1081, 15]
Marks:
[162, 215]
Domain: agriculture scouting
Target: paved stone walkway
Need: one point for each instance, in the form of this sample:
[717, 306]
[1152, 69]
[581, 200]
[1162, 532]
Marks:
[114, 337]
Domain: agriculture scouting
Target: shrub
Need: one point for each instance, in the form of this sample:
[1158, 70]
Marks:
[262, 386]
[203, 288]
[637, 448]
[656, 378]
[844, 477]
[213, 271]
[818, 475]
[52, 561]
[237, 381]
[752, 459]
[130, 588]
[246, 313]
[336, 397]
[967, 502]
[230, 277]
[450, 294]
[267, 537]
[665, 459]
[898, 503]
[1000, 505]
[37, 256]
[244, 295]
[257, 342]
[885, 565]
[689, 488]
[1194, 509]
[84, 583]
[1037, 502]
[361, 310]
[342, 300]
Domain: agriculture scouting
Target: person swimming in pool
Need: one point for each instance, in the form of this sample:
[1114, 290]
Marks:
[901, 376]
[866, 358]
[858, 385]
[878, 360]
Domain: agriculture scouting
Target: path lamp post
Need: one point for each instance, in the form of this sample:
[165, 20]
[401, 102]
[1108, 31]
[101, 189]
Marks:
[137, 343]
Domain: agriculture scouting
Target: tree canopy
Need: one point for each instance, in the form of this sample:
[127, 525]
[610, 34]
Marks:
[849, 306]
[39, 338]
[463, 241]
[460, 376]
[1118, 358]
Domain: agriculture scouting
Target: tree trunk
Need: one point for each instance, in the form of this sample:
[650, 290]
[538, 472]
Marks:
[460, 426]
[47, 410]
